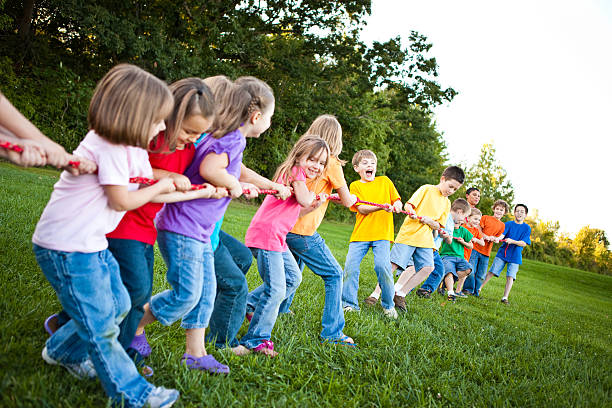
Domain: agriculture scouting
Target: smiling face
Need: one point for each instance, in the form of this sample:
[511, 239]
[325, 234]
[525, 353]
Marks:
[448, 186]
[474, 220]
[499, 211]
[314, 163]
[519, 214]
[191, 129]
[366, 168]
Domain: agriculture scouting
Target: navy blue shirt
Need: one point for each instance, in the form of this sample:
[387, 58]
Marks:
[518, 232]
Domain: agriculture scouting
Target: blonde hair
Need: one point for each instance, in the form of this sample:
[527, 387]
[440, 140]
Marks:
[238, 102]
[475, 211]
[501, 203]
[463, 205]
[126, 103]
[307, 145]
[362, 154]
[191, 97]
[329, 129]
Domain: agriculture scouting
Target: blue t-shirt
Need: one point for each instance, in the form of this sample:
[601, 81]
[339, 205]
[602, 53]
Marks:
[449, 228]
[518, 232]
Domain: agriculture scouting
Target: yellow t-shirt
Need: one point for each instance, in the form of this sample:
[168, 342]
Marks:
[377, 225]
[332, 179]
[427, 202]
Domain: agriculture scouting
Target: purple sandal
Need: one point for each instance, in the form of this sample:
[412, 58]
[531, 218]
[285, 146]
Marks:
[51, 324]
[141, 345]
[205, 363]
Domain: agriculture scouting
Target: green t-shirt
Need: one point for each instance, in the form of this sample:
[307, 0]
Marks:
[456, 249]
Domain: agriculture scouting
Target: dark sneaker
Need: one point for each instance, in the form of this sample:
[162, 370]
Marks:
[441, 291]
[460, 295]
[505, 301]
[400, 303]
[451, 297]
[370, 301]
[467, 292]
[424, 293]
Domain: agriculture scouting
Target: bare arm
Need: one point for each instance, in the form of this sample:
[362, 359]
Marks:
[517, 243]
[177, 196]
[181, 182]
[303, 196]
[479, 241]
[250, 176]
[366, 209]
[214, 169]
[468, 245]
[120, 199]
[346, 198]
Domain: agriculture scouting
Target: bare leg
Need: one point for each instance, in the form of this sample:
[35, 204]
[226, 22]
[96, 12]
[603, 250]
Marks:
[415, 279]
[509, 282]
[462, 276]
[194, 342]
[489, 276]
[449, 282]
[146, 320]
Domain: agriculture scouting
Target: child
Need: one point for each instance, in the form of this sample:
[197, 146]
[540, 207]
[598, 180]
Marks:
[266, 238]
[131, 243]
[305, 243]
[516, 236]
[185, 228]
[455, 265]
[125, 113]
[472, 225]
[373, 229]
[415, 239]
[434, 278]
[492, 228]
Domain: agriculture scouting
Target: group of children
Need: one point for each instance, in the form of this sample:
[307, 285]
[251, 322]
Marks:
[94, 241]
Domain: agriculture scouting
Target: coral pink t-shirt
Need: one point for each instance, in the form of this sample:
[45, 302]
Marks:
[274, 219]
[78, 217]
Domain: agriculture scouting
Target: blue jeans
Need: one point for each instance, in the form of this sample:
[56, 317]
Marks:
[434, 278]
[312, 251]
[281, 277]
[382, 266]
[89, 288]
[479, 266]
[191, 273]
[232, 262]
[135, 260]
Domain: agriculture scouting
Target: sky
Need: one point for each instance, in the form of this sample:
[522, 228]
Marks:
[535, 79]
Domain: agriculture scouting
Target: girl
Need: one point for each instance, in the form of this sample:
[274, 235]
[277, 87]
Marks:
[307, 245]
[125, 113]
[266, 237]
[185, 228]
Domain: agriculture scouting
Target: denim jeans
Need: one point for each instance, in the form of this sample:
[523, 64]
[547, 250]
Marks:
[312, 251]
[135, 260]
[89, 288]
[382, 266]
[434, 278]
[281, 277]
[479, 266]
[191, 273]
[232, 262]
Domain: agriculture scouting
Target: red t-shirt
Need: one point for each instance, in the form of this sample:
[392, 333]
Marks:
[138, 224]
[467, 252]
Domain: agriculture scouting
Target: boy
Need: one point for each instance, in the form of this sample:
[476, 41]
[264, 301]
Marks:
[434, 278]
[472, 225]
[373, 229]
[415, 242]
[456, 268]
[472, 195]
[492, 227]
[516, 236]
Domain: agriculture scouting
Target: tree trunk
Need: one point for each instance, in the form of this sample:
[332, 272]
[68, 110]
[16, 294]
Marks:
[25, 24]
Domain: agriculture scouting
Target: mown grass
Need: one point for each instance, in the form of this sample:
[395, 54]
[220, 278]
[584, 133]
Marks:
[550, 347]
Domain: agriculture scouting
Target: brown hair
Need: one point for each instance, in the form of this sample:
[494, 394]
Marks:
[501, 203]
[191, 97]
[461, 204]
[239, 102]
[126, 103]
[307, 145]
[475, 211]
[328, 128]
[454, 173]
[362, 154]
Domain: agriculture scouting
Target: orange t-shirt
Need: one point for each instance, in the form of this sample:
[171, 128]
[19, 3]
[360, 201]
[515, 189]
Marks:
[467, 252]
[490, 226]
[332, 179]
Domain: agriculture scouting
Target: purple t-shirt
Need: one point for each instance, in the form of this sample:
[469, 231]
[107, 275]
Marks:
[196, 218]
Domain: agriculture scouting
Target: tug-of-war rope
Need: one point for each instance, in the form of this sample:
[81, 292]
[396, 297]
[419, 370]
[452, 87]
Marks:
[149, 182]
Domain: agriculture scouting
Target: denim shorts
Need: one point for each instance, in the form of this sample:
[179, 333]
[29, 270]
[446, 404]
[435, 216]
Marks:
[407, 255]
[498, 266]
[452, 264]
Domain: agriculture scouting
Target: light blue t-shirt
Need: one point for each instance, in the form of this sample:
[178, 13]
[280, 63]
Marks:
[449, 228]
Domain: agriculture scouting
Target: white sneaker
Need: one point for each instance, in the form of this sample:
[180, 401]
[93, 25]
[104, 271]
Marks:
[82, 371]
[349, 309]
[390, 313]
[162, 397]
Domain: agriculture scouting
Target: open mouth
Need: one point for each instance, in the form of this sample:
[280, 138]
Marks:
[369, 173]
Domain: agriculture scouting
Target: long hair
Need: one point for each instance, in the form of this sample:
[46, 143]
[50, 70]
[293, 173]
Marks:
[248, 95]
[307, 145]
[329, 129]
[126, 103]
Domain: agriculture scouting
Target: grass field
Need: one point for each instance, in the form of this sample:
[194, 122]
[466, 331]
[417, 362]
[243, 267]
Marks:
[552, 346]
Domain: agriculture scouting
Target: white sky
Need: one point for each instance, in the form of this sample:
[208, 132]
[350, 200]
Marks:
[535, 78]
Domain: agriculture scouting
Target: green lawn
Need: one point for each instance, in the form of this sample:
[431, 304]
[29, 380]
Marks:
[551, 346]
